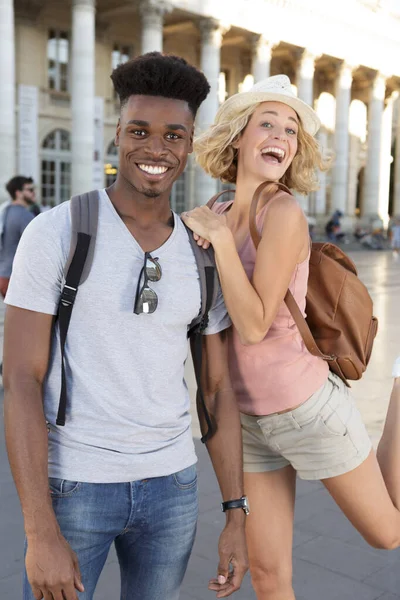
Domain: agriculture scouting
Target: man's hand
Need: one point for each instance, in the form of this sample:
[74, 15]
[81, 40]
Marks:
[52, 569]
[233, 561]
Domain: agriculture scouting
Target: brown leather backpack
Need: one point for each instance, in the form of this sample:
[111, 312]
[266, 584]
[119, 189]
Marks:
[340, 327]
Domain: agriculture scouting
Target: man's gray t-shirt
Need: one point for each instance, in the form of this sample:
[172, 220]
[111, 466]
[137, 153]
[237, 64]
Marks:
[128, 405]
[16, 218]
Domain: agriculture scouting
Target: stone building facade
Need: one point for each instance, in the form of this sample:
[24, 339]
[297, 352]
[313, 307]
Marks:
[58, 111]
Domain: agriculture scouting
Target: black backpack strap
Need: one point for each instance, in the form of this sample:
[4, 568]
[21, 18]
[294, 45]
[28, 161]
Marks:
[84, 217]
[197, 352]
[206, 266]
[209, 284]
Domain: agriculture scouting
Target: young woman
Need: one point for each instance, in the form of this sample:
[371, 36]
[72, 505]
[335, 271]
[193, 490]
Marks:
[297, 417]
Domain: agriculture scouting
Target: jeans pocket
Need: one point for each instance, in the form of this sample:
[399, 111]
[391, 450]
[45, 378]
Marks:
[186, 479]
[60, 488]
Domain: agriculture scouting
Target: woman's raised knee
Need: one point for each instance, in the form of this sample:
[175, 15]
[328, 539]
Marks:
[384, 540]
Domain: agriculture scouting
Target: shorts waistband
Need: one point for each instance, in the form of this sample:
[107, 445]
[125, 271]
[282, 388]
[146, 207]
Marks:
[319, 398]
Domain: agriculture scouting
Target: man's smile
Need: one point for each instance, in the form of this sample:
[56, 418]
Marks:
[152, 171]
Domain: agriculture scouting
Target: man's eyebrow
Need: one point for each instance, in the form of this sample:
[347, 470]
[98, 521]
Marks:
[272, 112]
[173, 126]
[139, 123]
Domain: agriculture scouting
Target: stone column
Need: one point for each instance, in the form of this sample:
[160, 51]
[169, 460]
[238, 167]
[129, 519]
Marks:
[320, 194]
[373, 166]
[355, 148]
[152, 14]
[82, 94]
[396, 199]
[262, 53]
[7, 96]
[386, 153]
[210, 63]
[305, 77]
[305, 91]
[341, 139]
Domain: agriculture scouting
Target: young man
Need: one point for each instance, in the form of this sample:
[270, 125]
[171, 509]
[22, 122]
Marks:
[14, 217]
[121, 470]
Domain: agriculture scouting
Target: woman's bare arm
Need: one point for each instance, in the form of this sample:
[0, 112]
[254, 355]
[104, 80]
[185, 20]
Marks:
[253, 305]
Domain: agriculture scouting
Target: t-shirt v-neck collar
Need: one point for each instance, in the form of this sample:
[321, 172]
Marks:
[128, 235]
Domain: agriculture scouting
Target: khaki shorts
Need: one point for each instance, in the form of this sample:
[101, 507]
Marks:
[321, 438]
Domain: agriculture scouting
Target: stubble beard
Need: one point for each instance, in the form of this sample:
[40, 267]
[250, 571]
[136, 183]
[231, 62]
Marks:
[151, 193]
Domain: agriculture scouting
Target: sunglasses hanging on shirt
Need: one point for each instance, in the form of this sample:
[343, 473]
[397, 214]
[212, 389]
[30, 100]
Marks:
[146, 300]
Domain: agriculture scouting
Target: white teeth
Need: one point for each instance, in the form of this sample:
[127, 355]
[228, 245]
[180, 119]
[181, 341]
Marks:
[153, 170]
[275, 150]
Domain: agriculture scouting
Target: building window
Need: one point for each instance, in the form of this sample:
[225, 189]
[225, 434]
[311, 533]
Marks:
[111, 164]
[56, 168]
[120, 55]
[57, 60]
[178, 194]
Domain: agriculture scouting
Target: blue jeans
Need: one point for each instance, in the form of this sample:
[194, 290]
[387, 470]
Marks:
[151, 522]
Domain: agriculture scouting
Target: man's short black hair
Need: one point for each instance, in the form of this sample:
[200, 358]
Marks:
[156, 74]
[16, 184]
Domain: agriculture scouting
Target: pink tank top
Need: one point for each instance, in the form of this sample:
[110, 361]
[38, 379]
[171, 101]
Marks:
[279, 372]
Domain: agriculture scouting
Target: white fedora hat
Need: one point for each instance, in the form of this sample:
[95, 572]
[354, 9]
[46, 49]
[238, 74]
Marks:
[273, 89]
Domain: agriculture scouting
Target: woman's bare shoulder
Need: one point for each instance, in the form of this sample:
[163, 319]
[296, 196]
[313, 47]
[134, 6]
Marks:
[285, 207]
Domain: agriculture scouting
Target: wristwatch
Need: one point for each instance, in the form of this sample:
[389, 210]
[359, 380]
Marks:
[242, 503]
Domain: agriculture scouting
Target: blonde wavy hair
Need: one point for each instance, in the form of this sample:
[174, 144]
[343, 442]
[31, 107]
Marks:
[216, 155]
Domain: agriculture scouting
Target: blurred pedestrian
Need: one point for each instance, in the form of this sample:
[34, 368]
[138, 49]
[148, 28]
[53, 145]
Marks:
[395, 237]
[333, 227]
[14, 217]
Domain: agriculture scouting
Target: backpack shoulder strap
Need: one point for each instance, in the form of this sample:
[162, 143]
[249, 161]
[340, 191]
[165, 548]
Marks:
[209, 285]
[274, 188]
[213, 200]
[84, 218]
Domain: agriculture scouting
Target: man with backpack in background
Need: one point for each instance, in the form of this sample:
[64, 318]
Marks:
[14, 217]
[97, 423]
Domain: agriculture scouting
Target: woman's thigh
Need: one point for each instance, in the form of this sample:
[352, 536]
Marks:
[363, 497]
[269, 527]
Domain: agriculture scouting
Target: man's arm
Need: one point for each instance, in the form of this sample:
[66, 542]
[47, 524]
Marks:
[52, 567]
[225, 450]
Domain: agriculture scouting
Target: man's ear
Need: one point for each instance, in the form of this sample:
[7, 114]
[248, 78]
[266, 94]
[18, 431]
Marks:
[117, 133]
[191, 141]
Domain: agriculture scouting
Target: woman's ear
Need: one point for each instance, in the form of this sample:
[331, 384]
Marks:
[236, 142]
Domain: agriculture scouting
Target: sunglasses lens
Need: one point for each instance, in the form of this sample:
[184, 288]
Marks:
[153, 270]
[147, 302]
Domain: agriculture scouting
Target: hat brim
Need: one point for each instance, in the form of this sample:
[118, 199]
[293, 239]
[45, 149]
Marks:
[243, 100]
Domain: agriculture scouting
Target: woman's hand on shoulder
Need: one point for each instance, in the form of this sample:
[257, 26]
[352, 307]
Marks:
[206, 225]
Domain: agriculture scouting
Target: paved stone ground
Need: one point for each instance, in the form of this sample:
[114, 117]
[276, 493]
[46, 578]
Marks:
[331, 561]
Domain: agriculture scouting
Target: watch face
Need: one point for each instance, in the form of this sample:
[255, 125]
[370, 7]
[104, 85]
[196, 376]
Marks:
[246, 506]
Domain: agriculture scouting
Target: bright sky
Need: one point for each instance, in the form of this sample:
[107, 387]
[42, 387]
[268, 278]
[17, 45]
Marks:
[394, 5]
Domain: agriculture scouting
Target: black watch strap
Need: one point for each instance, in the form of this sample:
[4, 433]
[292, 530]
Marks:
[239, 503]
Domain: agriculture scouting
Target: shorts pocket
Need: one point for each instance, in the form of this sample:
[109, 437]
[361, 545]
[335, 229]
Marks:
[60, 488]
[186, 479]
[333, 423]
